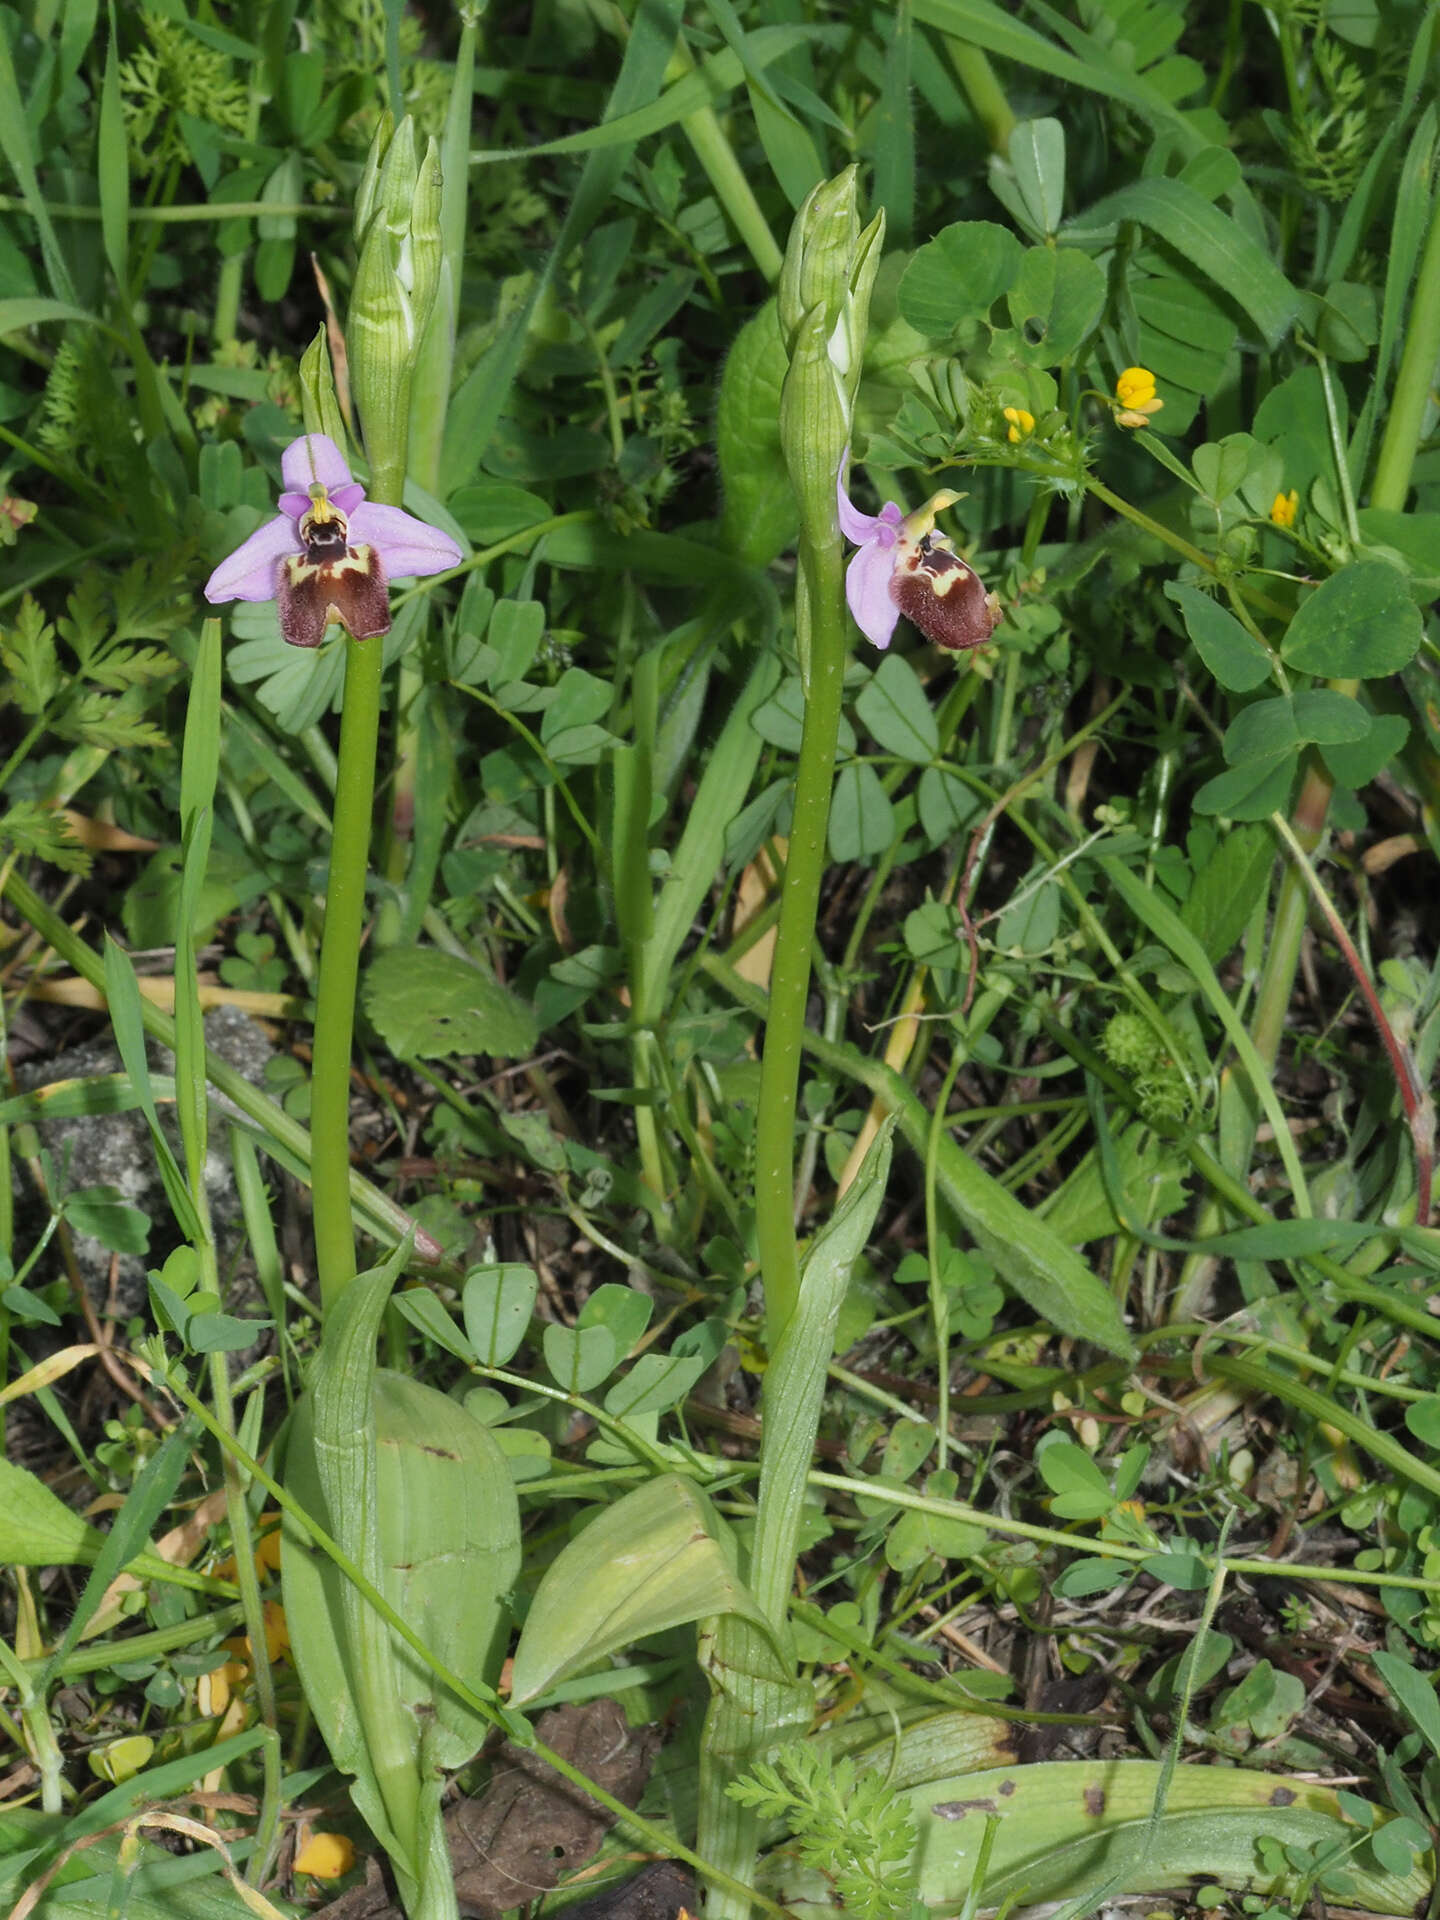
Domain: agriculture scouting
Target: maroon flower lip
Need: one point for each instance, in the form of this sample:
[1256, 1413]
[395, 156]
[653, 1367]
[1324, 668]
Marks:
[904, 566]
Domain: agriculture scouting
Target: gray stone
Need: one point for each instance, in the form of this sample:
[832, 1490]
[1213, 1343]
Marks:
[115, 1150]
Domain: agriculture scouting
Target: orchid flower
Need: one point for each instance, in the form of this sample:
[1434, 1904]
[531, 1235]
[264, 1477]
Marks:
[904, 566]
[329, 554]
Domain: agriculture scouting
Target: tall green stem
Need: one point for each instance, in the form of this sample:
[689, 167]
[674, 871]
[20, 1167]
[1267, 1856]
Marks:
[340, 962]
[820, 609]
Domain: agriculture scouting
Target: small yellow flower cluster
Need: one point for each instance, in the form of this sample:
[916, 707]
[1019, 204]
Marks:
[1022, 424]
[1135, 390]
[1284, 507]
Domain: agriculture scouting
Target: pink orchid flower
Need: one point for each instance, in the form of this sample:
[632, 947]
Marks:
[329, 554]
[904, 566]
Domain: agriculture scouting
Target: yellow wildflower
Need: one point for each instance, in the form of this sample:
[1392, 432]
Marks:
[1022, 424]
[1284, 507]
[267, 1551]
[328, 1856]
[1135, 390]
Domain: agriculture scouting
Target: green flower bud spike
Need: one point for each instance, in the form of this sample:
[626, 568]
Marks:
[401, 246]
[824, 305]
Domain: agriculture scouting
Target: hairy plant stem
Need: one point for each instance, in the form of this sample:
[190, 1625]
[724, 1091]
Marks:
[340, 947]
[820, 631]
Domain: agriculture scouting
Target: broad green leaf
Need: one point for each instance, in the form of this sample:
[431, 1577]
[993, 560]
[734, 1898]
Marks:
[760, 516]
[1218, 246]
[1187, 1571]
[489, 512]
[37, 1529]
[580, 700]
[1360, 624]
[1325, 718]
[426, 1313]
[1057, 297]
[579, 1358]
[222, 1332]
[1284, 722]
[1151, 1174]
[497, 1305]
[644, 1565]
[862, 818]
[945, 803]
[416, 1492]
[915, 1537]
[1357, 765]
[100, 1212]
[1413, 538]
[1221, 465]
[1082, 1579]
[1250, 792]
[1080, 1490]
[1233, 656]
[428, 1005]
[1037, 158]
[622, 1309]
[896, 713]
[1072, 1826]
[655, 1382]
[1030, 924]
[1227, 887]
[781, 719]
[959, 275]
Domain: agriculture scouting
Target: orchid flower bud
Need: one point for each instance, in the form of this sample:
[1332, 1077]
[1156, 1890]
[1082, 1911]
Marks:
[823, 302]
[369, 179]
[831, 264]
[401, 249]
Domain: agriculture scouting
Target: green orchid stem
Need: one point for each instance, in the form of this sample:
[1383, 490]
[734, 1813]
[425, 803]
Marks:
[340, 967]
[820, 605]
